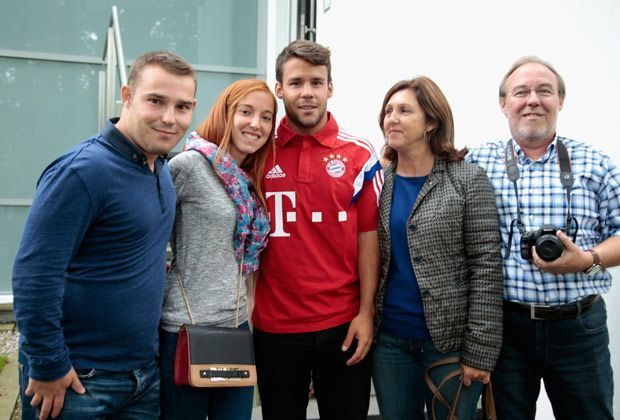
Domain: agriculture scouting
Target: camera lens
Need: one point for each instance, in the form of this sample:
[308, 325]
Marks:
[549, 247]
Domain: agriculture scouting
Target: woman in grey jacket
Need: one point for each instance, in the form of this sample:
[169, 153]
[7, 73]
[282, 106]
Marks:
[441, 288]
[219, 230]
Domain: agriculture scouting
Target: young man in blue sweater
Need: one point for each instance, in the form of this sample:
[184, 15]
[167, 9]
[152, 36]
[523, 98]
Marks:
[88, 278]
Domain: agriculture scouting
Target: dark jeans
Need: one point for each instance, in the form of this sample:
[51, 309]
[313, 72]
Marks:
[571, 356]
[285, 364]
[398, 374]
[131, 395]
[186, 402]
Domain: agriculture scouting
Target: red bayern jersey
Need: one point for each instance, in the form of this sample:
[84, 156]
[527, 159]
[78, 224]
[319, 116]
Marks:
[322, 190]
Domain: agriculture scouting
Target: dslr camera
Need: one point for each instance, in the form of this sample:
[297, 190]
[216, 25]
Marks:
[548, 246]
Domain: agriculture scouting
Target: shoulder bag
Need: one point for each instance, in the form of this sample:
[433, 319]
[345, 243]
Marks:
[209, 356]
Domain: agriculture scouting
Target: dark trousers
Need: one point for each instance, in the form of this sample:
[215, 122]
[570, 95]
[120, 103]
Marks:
[571, 356]
[399, 364]
[285, 364]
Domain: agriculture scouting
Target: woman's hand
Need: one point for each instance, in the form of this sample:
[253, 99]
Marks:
[472, 374]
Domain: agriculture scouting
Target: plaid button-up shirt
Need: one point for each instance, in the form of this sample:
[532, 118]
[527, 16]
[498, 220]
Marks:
[595, 203]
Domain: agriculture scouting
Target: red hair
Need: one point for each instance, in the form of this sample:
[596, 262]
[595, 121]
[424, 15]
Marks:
[217, 128]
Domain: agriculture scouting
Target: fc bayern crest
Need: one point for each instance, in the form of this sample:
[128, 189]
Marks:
[335, 166]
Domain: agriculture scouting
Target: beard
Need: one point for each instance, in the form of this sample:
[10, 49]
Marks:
[533, 134]
[308, 122]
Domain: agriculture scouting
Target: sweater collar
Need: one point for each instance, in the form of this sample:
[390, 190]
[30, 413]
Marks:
[125, 147]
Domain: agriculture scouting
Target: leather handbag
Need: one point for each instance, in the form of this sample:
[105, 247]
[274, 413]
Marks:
[488, 402]
[208, 356]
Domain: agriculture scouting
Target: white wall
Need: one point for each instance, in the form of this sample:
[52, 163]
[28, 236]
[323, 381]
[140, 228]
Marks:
[466, 47]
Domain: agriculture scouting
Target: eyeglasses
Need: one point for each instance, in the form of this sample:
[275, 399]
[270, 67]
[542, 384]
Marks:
[541, 92]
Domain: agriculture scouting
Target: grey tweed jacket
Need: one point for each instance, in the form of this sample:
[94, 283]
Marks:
[454, 246]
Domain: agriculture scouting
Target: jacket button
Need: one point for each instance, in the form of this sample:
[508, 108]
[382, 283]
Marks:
[412, 227]
[417, 259]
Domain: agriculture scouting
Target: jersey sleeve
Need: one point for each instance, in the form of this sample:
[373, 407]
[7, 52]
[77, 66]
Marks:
[368, 197]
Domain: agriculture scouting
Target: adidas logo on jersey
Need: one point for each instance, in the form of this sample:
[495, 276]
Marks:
[275, 172]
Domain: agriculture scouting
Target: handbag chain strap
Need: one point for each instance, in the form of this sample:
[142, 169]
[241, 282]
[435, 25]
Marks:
[186, 300]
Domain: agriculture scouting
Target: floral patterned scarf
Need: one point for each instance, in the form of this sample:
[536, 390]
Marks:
[252, 223]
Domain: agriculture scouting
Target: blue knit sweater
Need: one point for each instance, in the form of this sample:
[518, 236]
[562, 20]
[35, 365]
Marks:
[88, 278]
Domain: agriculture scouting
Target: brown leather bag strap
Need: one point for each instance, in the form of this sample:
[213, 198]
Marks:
[455, 400]
[488, 403]
[436, 390]
[429, 382]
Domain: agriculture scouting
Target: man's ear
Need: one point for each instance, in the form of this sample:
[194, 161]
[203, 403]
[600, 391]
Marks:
[278, 90]
[330, 89]
[126, 95]
[502, 104]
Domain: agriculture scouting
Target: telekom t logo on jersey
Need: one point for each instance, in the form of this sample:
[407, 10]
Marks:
[291, 216]
[278, 209]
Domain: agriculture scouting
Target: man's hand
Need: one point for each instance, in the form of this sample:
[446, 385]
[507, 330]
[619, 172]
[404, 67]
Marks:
[51, 395]
[572, 260]
[361, 328]
[472, 374]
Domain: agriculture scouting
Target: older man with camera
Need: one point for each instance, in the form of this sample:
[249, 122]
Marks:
[559, 207]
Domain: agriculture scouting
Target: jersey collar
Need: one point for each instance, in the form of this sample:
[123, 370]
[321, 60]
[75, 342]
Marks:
[326, 137]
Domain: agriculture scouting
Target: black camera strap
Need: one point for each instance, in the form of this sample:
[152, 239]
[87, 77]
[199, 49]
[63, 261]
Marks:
[566, 178]
[512, 172]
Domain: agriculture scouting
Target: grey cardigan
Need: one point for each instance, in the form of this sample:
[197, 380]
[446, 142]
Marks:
[454, 246]
[202, 241]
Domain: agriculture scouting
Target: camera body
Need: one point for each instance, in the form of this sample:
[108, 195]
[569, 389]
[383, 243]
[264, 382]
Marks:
[548, 245]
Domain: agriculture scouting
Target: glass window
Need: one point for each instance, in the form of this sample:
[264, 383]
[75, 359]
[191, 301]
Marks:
[210, 32]
[12, 219]
[45, 107]
[48, 106]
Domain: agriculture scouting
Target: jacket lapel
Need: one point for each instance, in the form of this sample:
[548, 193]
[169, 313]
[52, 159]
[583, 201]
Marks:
[433, 179]
[385, 203]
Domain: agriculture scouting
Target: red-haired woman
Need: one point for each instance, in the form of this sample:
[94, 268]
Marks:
[219, 230]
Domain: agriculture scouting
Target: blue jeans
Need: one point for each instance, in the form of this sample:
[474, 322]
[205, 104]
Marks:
[131, 395]
[286, 362]
[571, 356]
[398, 374]
[186, 402]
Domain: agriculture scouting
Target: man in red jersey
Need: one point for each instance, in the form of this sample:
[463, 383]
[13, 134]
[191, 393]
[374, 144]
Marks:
[314, 310]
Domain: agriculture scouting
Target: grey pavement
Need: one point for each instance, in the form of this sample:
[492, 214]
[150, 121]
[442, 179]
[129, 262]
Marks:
[9, 374]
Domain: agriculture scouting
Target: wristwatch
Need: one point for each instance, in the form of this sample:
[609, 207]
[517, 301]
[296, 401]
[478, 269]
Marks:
[596, 265]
